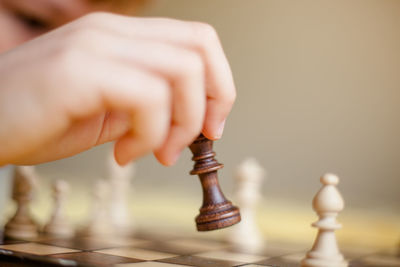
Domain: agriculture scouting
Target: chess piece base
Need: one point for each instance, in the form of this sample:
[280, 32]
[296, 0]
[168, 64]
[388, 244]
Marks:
[217, 220]
[58, 230]
[312, 262]
[26, 231]
[246, 239]
[96, 230]
[123, 230]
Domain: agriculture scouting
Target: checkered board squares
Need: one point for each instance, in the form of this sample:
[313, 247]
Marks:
[150, 264]
[36, 249]
[200, 261]
[137, 253]
[191, 245]
[94, 243]
[155, 251]
[184, 246]
[232, 256]
[94, 258]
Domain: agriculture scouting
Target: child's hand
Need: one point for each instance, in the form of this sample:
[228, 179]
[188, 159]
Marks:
[150, 84]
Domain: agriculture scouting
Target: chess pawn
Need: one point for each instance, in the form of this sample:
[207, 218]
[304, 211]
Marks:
[98, 224]
[21, 225]
[246, 235]
[58, 225]
[120, 180]
[327, 203]
[216, 212]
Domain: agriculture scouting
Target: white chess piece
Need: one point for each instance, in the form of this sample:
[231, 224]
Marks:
[246, 235]
[327, 203]
[58, 224]
[120, 180]
[98, 224]
[21, 225]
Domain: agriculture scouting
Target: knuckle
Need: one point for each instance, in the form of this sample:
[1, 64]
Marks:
[87, 28]
[94, 18]
[226, 97]
[83, 35]
[231, 97]
[192, 63]
[206, 32]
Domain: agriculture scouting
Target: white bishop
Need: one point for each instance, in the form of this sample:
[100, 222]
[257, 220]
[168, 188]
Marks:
[327, 203]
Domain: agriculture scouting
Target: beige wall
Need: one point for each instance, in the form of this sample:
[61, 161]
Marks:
[318, 90]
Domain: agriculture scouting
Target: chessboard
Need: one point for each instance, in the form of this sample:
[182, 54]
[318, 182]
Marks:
[167, 250]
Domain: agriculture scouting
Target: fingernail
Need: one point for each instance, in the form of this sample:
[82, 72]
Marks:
[220, 130]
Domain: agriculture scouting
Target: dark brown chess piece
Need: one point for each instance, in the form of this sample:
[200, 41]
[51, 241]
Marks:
[216, 212]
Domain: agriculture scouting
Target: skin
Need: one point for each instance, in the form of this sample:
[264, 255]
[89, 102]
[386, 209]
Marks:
[71, 80]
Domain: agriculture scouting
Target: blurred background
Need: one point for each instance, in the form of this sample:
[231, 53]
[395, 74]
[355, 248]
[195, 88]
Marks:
[318, 87]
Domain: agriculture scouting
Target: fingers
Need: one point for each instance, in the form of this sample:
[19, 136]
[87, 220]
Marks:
[115, 124]
[184, 70]
[150, 109]
[199, 37]
[144, 96]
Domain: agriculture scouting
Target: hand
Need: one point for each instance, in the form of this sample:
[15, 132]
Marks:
[150, 84]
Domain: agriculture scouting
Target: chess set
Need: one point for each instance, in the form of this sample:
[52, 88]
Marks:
[105, 242]
[144, 249]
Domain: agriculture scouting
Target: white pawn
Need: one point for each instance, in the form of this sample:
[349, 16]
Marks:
[327, 203]
[120, 181]
[98, 224]
[246, 235]
[22, 225]
[58, 224]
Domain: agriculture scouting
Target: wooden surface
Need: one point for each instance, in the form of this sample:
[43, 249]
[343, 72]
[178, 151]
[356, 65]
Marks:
[148, 249]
